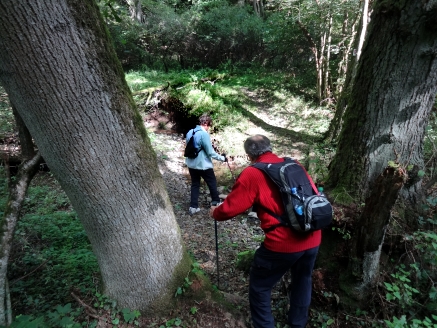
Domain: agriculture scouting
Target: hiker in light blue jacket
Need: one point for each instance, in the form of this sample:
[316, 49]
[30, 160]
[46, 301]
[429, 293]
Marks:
[201, 166]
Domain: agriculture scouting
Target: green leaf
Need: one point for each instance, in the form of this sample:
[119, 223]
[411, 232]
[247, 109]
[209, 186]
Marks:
[433, 294]
[129, 316]
[66, 321]
[64, 309]
[388, 286]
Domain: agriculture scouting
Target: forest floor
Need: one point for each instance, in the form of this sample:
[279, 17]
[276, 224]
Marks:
[235, 236]
[241, 234]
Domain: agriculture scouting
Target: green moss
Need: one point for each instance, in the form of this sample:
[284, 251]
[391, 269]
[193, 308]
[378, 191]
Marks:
[244, 260]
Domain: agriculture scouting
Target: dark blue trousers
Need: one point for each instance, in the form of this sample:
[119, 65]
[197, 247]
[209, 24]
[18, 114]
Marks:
[209, 177]
[267, 269]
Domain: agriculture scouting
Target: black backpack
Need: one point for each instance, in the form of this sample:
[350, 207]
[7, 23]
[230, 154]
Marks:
[305, 209]
[190, 149]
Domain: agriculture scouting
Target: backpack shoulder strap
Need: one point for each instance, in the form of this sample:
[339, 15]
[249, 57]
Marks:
[201, 146]
[272, 171]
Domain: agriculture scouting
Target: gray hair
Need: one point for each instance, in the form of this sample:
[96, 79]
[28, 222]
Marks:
[257, 145]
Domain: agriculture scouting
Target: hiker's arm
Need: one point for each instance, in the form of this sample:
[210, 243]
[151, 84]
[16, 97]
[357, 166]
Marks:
[242, 196]
[207, 148]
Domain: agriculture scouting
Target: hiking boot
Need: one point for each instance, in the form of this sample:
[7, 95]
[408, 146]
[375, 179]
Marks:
[193, 210]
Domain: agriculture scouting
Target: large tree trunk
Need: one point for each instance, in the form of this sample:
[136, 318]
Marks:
[60, 70]
[391, 98]
[370, 228]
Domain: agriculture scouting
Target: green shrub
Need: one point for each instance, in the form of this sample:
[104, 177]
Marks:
[51, 254]
[410, 290]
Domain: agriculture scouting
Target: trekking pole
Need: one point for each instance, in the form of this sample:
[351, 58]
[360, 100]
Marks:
[217, 255]
[232, 173]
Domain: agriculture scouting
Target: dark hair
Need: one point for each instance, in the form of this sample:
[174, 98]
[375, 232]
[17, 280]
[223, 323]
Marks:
[257, 145]
[205, 120]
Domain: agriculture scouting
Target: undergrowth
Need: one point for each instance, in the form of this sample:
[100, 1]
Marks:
[232, 97]
[51, 255]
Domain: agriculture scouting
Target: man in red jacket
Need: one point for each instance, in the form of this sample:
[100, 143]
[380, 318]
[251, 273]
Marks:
[282, 249]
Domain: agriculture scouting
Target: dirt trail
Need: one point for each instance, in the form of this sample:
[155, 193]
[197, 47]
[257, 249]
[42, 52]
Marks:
[234, 236]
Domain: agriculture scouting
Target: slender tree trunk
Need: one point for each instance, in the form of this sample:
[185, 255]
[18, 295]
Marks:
[343, 65]
[319, 67]
[348, 66]
[60, 70]
[135, 10]
[391, 98]
[363, 27]
[258, 7]
[17, 192]
[326, 85]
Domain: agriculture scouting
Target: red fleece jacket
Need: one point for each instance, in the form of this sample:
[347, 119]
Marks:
[254, 187]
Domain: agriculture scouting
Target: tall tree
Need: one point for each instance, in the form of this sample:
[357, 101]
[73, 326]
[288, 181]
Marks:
[392, 96]
[388, 109]
[60, 70]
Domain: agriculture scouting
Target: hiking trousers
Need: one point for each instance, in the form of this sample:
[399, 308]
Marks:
[209, 177]
[267, 269]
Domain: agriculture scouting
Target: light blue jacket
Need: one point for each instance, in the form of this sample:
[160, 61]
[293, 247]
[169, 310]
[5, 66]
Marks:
[203, 160]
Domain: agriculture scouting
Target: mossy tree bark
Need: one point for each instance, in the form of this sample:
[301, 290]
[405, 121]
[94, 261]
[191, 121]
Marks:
[58, 65]
[391, 97]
